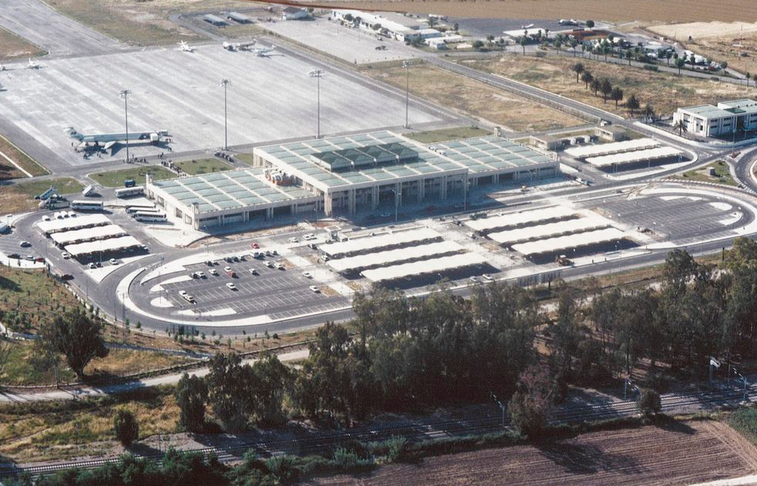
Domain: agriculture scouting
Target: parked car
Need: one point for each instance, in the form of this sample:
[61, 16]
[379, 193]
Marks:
[24, 244]
[92, 266]
[113, 261]
[213, 271]
[231, 286]
[67, 277]
[66, 255]
[307, 275]
[315, 288]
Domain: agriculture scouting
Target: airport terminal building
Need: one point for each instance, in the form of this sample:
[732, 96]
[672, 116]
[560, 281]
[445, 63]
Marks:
[724, 119]
[347, 175]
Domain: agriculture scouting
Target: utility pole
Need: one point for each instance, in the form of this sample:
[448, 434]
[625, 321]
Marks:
[500, 405]
[406, 65]
[318, 74]
[225, 83]
[125, 95]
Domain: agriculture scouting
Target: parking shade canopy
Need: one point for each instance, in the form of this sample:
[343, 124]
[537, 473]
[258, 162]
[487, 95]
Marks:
[426, 267]
[103, 246]
[562, 243]
[376, 243]
[519, 219]
[385, 258]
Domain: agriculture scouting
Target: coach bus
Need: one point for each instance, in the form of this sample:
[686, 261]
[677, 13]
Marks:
[87, 205]
[150, 217]
[130, 191]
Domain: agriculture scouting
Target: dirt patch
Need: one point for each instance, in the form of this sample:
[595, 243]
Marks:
[664, 91]
[614, 10]
[687, 453]
[14, 47]
[474, 98]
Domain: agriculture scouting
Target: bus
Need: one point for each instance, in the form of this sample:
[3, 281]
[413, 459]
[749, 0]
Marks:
[150, 217]
[146, 211]
[134, 208]
[130, 191]
[88, 191]
[87, 205]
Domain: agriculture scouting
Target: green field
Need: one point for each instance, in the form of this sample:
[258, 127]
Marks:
[246, 158]
[702, 174]
[116, 178]
[8, 170]
[202, 166]
[19, 197]
[434, 136]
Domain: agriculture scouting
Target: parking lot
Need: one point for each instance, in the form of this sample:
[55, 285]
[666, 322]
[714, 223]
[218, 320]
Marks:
[276, 292]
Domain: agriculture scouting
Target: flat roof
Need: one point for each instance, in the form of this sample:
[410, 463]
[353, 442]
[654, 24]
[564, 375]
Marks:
[81, 221]
[612, 148]
[112, 244]
[520, 218]
[394, 256]
[87, 234]
[231, 189]
[706, 111]
[631, 157]
[376, 243]
[561, 243]
[425, 267]
[238, 17]
[479, 155]
[547, 230]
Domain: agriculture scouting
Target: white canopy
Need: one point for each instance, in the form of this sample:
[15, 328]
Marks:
[547, 230]
[566, 242]
[85, 221]
[103, 246]
[374, 243]
[436, 265]
[87, 234]
[518, 219]
[612, 148]
[631, 157]
[393, 256]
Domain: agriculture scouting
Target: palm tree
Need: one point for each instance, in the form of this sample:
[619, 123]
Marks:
[649, 113]
[578, 68]
[606, 88]
[558, 45]
[616, 95]
[680, 62]
[573, 44]
[587, 78]
[629, 56]
[595, 86]
[523, 42]
[680, 125]
[668, 55]
[748, 77]
[632, 104]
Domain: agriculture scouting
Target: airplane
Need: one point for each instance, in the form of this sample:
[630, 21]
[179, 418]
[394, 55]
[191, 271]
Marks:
[33, 64]
[184, 47]
[263, 51]
[239, 46]
[526, 26]
[108, 140]
[568, 22]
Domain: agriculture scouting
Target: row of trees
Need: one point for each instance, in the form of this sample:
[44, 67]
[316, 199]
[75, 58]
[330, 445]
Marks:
[604, 86]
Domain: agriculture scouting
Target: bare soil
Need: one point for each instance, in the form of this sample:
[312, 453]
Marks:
[14, 47]
[613, 10]
[686, 453]
[474, 98]
[664, 91]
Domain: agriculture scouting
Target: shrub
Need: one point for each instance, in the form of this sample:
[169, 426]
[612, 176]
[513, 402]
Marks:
[125, 427]
[649, 402]
[284, 468]
[650, 67]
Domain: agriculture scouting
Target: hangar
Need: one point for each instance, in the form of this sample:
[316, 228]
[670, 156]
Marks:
[345, 175]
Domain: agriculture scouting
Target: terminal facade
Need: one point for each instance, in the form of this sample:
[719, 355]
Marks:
[346, 175]
[725, 119]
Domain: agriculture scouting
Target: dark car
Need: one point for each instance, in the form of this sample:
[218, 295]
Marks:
[129, 183]
[14, 255]
[67, 276]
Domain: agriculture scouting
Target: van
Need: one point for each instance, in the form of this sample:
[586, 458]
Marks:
[130, 183]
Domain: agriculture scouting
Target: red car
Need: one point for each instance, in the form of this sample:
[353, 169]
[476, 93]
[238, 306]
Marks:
[255, 246]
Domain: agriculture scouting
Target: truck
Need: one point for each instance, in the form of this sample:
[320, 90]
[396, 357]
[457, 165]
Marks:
[563, 261]
[230, 272]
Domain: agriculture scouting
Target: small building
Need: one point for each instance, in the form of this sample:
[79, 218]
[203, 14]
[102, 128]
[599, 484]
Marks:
[546, 142]
[294, 13]
[422, 34]
[238, 18]
[437, 43]
[215, 20]
[611, 133]
[723, 119]
[389, 24]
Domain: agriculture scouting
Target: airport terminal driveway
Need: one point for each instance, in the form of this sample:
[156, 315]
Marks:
[59, 35]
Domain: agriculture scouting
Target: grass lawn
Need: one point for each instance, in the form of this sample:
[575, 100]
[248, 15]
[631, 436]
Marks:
[8, 170]
[116, 178]
[457, 133]
[19, 197]
[664, 91]
[202, 166]
[246, 158]
[744, 421]
[474, 98]
[14, 47]
[703, 174]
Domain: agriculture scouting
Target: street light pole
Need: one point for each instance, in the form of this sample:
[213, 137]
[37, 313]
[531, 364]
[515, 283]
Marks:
[406, 65]
[125, 95]
[317, 73]
[224, 83]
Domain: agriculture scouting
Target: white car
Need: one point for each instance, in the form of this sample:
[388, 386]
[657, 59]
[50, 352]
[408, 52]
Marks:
[231, 286]
[183, 293]
[315, 289]
[201, 274]
[487, 277]
[308, 237]
[293, 239]
[113, 261]
[280, 266]
[307, 274]
[66, 255]
[71, 214]
[92, 266]
[213, 271]
[474, 278]
[269, 264]
[46, 218]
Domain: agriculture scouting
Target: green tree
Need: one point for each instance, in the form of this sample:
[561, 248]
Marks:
[587, 78]
[477, 44]
[523, 41]
[76, 336]
[633, 104]
[271, 380]
[231, 388]
[596, 85]
[648, 402]
[680, 62]
[680, 125]
[125, 427]
[529, 406]
[578, 68]
[191, 397]
[616, 95]
[590, 24]
[606, 88]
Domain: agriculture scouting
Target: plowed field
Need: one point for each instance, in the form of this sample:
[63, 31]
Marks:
[686, 453]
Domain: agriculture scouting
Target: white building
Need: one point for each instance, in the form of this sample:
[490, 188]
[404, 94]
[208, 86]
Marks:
[724, 119]
[393, 25]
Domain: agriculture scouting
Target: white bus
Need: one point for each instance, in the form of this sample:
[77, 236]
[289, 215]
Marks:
[87, 205]
[134, 208]
[88, 191]
[146, 211]
[130, 191]
[150, 217]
